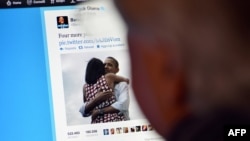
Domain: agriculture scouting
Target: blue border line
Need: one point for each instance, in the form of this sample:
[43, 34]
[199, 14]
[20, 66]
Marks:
[48, 76]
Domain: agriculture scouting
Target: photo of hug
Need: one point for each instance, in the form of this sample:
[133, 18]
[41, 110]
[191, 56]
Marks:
[101, 80]
[96, 90]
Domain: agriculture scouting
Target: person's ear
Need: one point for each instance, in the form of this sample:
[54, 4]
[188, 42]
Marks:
[117, 70]
[157, 79]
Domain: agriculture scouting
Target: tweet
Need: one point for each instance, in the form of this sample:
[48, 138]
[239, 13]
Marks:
[73, 39]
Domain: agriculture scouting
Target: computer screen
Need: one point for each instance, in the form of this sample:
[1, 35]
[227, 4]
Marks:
[46, 47]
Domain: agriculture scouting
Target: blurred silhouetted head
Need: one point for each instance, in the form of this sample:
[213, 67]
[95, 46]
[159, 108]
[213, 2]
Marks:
[188, 57]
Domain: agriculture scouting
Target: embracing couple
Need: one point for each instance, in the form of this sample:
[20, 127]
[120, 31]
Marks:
[105, 94]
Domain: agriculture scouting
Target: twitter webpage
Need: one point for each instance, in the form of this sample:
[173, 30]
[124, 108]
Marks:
[73, 35]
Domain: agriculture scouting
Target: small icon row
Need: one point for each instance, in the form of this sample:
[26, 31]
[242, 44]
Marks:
[120, 130]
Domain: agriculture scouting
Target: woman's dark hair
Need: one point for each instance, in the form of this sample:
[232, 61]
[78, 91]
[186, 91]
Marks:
[94, 70]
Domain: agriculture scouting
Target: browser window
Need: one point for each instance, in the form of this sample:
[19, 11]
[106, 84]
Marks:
[70, 36]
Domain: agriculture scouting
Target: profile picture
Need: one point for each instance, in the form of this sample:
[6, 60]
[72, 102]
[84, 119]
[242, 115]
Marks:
[106, 131]
[138, 128]
[125, 129]
[62, 22]
[112, 131]
[119, 130]
[144, 128]
[132, 129]
[150, 127]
